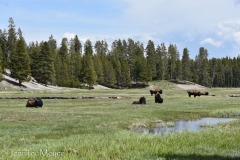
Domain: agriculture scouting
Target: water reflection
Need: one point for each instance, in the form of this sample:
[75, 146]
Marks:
[187, 125]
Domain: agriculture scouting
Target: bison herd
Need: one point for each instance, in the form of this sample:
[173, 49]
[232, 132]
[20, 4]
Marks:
[158, 92]
[37, 102]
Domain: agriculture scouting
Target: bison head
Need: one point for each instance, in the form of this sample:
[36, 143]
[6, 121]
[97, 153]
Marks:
[142, 100]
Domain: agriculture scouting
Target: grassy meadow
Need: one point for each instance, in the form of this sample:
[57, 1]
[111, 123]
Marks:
[99, 128]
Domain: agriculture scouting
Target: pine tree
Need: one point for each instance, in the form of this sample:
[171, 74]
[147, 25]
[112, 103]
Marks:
[159, 63]
[149, 73]
[52, 43]
[11, 40]
[53, 46]
[101, 49]
[194, 75]
[34, 52]
[1, 76]
[117, 68]
[165, 74]
[77, 46]
[109, 73]
[186, 70]
[99, 69]
[89, 75]
[46, 64]
[65, 61]
[88, 71]
[78, 58]
[117, 57]
[20, 63]
[212, 63]
[131, 56]
[178, 69]
[202, 66]
[4, 47]
[72, 62]
[140, 65]
[205, 73]
[125, 75]
[151, 58]
[88, 48]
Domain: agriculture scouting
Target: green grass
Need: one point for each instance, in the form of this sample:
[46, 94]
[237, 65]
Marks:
[100, 128]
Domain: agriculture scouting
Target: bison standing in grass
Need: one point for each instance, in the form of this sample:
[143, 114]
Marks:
[34, 102]
[158, 98]
[142, 100]
[154, 91]
[194, 93]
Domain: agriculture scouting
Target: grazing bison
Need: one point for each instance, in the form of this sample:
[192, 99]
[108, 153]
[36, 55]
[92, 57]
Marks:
[154, 91]
[194, 93]
[34, 102]
[204, 93]
[158, 98]
[142, 100]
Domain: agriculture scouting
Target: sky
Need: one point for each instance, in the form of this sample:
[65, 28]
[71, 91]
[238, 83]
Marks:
[191, 24]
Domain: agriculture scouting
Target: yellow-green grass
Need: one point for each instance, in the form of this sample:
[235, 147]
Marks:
[100, 128]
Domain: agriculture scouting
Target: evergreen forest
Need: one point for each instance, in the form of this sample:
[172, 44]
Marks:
[119, 64]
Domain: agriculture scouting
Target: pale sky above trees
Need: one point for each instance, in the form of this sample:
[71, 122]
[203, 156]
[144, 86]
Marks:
[212, 24]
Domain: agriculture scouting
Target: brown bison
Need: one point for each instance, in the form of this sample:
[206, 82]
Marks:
[194, 93]
[158, 98]
[204, 93]
[34, 102]
[142, 100]
[154, 91]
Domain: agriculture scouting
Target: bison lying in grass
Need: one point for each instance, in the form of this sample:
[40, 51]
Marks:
[158, 98]
[34, 102]
[142, 100]
[154, 91]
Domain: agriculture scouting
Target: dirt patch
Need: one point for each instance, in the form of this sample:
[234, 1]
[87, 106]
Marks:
[190, 86]
[9, 82]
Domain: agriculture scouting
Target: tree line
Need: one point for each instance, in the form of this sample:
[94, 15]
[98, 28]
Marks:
[125, 61]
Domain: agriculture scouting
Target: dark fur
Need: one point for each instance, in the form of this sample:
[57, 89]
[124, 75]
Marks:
[142, 100]
[154, 91]
[204, 93]
[158, 98]
[34, 102]
[194, 93]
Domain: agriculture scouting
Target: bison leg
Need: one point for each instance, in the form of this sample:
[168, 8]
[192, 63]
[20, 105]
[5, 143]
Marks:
[161, 100]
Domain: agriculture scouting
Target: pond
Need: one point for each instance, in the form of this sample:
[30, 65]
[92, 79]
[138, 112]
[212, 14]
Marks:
[191, 125]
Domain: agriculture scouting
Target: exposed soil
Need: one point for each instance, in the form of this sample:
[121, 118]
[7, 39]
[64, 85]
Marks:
[9, 82]
[190, 86]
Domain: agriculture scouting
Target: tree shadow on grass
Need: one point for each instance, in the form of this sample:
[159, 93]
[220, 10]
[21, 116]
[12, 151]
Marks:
[15, 83]
[197, 157]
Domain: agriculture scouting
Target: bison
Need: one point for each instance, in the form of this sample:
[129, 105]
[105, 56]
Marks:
[158, 98]
[142, 100]
[194, 93]
[154, 91]
[34, 102]
[204, 93]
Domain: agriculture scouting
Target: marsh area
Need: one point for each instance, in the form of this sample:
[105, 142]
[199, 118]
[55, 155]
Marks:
[181, 125]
